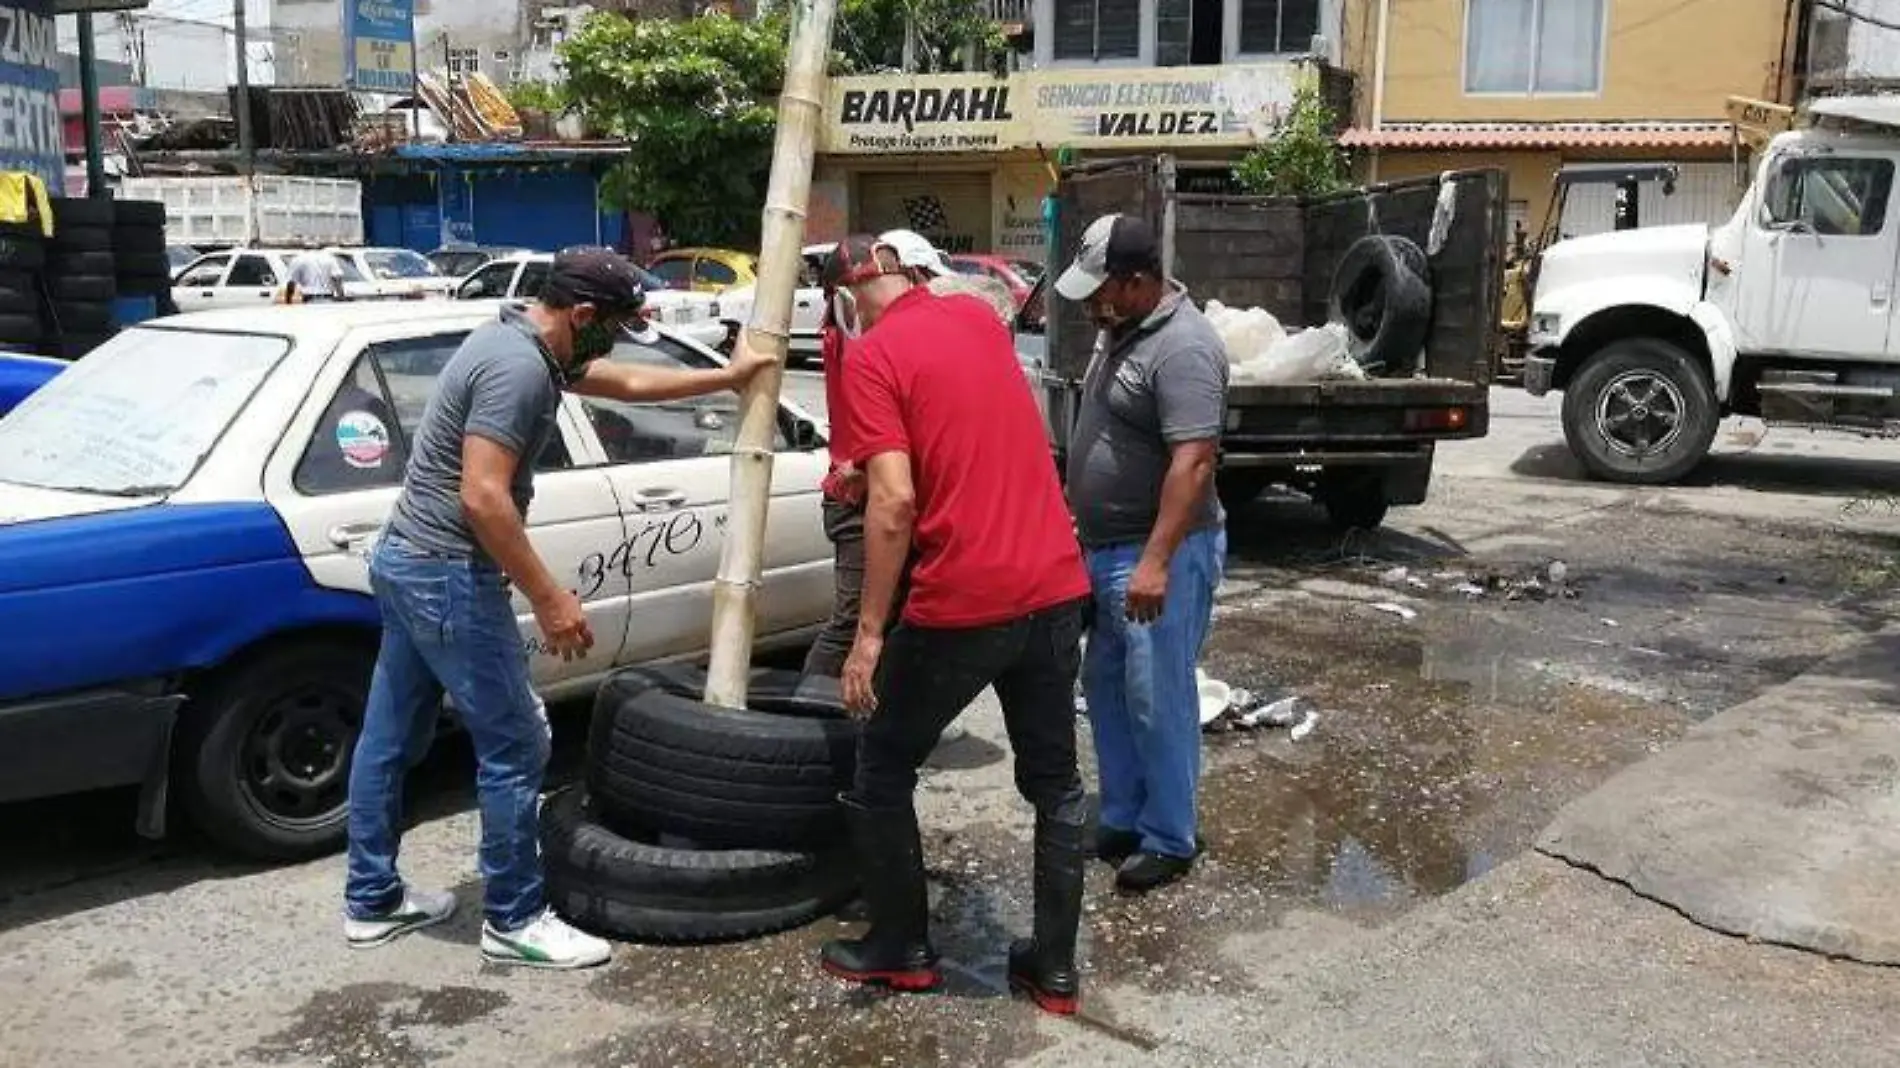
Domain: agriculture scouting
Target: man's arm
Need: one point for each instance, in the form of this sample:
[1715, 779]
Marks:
[1183, 495]
[890, 514]
[638, 382]
[488, 470]
[1190, 388]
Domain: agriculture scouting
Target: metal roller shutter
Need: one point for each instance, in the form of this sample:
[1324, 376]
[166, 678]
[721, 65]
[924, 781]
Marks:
[952, 209]
[1705, 193]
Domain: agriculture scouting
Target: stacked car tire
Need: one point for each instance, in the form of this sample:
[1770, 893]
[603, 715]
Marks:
[81, 276]
[138, 250]
[699, 823]
[22, 261]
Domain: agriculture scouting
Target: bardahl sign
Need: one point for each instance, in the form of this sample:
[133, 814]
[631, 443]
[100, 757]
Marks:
[953, 107]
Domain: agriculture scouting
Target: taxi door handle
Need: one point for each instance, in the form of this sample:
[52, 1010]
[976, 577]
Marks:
[345, 534]
[658, 499]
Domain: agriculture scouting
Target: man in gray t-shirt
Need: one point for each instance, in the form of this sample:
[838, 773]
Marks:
[441, 573]
[1141, 482]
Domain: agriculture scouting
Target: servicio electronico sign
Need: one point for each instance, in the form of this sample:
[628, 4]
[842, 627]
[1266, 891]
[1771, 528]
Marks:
[379, 45]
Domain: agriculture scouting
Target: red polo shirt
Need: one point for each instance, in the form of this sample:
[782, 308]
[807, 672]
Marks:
[937, 378]
[831, 355]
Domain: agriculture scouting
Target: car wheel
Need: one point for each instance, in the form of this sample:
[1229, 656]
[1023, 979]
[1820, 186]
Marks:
[646, 892]
[1641, 411]
[264, 752]
[660, 760]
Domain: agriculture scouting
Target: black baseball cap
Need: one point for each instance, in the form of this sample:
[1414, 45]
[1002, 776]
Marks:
[1114, 246]
[605, 279]
[855, 259]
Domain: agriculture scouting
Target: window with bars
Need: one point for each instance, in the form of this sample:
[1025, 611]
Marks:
[465, 61]
[1097, 29]
[1269, 27]
[1534, 46]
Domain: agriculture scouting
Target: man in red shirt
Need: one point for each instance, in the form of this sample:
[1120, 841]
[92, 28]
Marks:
[958, 469]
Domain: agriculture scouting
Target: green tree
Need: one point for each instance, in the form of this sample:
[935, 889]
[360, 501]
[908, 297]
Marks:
[1304, 157]
[868, 36]
[697, 99]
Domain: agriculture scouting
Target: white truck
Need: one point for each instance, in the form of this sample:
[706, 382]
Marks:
[272, 211]
[1786, 312]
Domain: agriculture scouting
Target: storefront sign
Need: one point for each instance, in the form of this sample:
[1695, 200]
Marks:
[1148, 107]
[379, 45]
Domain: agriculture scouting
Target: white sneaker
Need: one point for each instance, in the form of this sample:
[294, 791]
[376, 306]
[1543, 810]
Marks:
[544, 942]
[419, 909]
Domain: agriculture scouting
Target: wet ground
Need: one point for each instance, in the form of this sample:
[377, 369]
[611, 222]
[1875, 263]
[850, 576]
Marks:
[1443, 743]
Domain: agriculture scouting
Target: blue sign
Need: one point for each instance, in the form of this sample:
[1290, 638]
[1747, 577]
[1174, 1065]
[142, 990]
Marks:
[379, 45]
[32, 137]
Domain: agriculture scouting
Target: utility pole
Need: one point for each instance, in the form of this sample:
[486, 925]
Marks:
[247, 142]
[89, 110]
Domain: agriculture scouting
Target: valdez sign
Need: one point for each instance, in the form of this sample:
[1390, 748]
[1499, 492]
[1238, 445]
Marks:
[1151, 107]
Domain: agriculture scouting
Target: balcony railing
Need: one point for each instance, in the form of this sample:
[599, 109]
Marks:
[1010, 12]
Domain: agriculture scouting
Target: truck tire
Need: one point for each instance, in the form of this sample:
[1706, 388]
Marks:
[1382, 294]
[766, 777]
[262, 754]
[1354, 500]
[1640, 411]
[643, 892]
[1238, 487]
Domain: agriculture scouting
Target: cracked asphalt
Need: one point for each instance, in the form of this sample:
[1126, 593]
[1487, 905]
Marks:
[1370, 896]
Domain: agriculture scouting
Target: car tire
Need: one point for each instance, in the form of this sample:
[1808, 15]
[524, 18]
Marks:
[73, 346]
[138, 214]
[143, 265]
[80, 317]
[61, 261]
[83, 213]
[83, 288]
[643, 892]
[127, 239]
[20, 330]
[768, 776]
[1382, 293]
[21, 252]
[229, 750]
[81, 239]
[19, 293]
[1680, 385]
[1354, 500]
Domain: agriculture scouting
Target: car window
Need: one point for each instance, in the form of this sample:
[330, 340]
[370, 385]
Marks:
[533, 277]
[205, 272]
[668, 430]
[251, 271]
[490, 281]
[457, 264]
[386, 391]
[139, 414]
[712, 272]
[1832, 195]
[676, 273]
[398, 263]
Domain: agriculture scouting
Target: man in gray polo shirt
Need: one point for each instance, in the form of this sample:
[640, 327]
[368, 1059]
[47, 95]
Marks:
[441, 573]
[1141, 482]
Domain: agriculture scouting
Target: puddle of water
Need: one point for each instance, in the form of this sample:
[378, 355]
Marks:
[364, 1024]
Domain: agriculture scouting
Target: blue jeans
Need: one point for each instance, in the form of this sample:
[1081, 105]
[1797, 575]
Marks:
[447, 625]
[1143, 704]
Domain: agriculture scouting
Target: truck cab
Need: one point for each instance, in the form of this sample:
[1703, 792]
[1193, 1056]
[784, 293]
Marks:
[1785, 312]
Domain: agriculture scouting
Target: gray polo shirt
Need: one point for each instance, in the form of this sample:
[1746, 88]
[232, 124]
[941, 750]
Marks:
[1163, 383]
[499, 385]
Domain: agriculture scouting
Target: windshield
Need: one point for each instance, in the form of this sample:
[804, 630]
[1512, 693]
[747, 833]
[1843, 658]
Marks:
[398, 263]
[138, 414]
[649, 280]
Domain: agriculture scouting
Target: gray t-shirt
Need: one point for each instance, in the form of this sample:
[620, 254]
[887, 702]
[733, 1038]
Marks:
[499, 385]
[1161, 384]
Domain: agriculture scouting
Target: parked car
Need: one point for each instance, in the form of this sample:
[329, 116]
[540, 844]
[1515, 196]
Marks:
[21, 374]
[186, 516]
[693, 315]
[391, 272]
[180, 256]
[705, 270]
[1019, 275]
[460, 261]
[734, 307]
[235, 278]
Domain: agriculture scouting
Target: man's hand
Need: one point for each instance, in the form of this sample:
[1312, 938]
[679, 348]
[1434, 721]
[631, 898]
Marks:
[746, 362]
[564, 624]
[1147, 591]
[860, 672]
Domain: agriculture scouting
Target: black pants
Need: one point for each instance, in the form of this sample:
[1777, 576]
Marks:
[844, 526]
[928, 676]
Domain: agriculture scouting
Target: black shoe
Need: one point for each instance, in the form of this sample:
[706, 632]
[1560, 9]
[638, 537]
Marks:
[1112, 846]
[1043, 966]
[896, 951]
[1151, 871]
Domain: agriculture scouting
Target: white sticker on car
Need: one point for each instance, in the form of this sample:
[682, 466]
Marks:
[363, 438]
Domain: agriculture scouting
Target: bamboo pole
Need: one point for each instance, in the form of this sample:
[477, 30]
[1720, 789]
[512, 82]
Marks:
[741, 560]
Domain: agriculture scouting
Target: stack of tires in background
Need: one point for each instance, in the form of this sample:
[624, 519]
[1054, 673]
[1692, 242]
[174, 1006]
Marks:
[698, 823]
[81, 277]
[63, 295]
[139, 263]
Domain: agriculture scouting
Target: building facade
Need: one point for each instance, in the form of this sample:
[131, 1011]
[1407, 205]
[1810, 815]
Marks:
[1533, 85]
[968, 159]
[1850, 54]
[463, 36]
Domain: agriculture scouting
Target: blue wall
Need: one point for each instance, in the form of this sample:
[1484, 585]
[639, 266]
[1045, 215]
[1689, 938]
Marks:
[545, 209]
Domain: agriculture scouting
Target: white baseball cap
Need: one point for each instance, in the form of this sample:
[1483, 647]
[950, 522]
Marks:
[914, 250]
[1113, 245]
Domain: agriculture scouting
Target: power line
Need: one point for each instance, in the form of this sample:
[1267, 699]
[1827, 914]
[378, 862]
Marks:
[1840, 7]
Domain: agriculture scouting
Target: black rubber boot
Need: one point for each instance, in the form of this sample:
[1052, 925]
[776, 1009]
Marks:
[896, 951]
[1044, 966]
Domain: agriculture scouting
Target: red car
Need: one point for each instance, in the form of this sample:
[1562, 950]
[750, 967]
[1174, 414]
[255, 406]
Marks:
[1019, 275]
